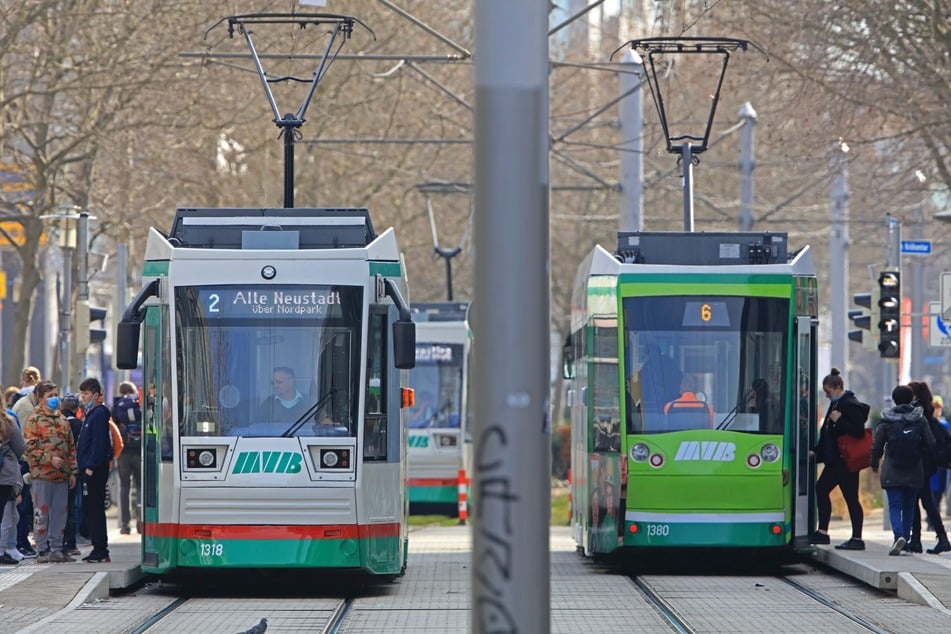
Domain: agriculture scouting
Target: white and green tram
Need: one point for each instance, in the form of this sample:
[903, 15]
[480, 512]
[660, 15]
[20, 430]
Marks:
[274, 354]
[440, 443]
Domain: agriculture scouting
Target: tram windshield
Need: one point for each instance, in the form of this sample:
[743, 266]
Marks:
[268, 361]
[705, 362]
[437, 380]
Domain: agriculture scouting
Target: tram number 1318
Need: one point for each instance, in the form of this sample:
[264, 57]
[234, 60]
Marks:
[658, 530]
[211, 550]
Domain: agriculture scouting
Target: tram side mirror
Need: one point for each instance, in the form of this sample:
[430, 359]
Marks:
[127, 345]
[404, 344]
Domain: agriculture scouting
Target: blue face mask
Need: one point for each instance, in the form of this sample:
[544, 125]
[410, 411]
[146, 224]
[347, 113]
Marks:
[53, 402]
[88, 406]
[834, 399]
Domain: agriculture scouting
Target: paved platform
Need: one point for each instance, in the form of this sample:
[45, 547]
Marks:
[919, 578]
[31, 594]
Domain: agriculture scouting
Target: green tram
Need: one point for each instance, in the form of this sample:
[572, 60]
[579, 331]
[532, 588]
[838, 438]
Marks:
[691, 367]
[276, 348]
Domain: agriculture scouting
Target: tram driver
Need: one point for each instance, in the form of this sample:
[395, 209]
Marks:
[286, 404]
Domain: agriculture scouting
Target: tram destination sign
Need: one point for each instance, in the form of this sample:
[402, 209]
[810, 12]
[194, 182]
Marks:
[226, 302]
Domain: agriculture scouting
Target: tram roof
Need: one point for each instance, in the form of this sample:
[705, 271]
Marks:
[702, 248]
[272, 228]
[439, 311]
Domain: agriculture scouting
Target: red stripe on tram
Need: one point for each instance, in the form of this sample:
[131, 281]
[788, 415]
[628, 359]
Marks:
[252, 531]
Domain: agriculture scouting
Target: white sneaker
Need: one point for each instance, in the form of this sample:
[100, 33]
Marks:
[897, 546]
[15, 554]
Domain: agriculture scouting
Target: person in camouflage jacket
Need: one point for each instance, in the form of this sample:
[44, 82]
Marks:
[51, 454]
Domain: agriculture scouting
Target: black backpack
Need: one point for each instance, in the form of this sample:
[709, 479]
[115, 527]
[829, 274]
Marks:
[128, 416]
[904, 444]
[942, 446]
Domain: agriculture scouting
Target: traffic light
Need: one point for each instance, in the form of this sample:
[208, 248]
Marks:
[97, 335]
[889, 304]
[861, 319]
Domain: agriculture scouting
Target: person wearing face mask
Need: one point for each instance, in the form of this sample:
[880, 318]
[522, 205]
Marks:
[95, 454]
[845, 415]
[51, 454]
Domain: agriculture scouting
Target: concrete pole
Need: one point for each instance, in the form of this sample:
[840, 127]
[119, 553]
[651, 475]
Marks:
[510, 564]
[747, 163]
[839, 260]
[122, 264]
[631, 110]
[916, 353]
[65, 325]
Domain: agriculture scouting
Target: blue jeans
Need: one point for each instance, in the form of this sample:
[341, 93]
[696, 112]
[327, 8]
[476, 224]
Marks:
[901, 509]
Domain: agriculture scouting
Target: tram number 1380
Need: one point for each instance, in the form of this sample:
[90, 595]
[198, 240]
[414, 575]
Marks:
[211, 550]
[658, 530]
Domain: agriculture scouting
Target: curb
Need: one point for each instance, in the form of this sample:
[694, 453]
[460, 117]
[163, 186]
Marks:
[96, 588]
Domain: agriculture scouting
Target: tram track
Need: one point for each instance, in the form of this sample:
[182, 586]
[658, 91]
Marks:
[681, 617]
[852, 616]
[665, 609]
[338, 615]
[158, 616]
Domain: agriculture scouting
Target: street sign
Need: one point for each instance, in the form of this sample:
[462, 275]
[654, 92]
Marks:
[939, 332]
[916, 247]
[946, 296]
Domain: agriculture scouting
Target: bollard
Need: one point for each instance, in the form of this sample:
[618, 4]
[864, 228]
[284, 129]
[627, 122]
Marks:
[463, 503]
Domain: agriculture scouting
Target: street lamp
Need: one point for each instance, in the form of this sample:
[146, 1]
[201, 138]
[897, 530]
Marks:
[73, 229]
[658, 53]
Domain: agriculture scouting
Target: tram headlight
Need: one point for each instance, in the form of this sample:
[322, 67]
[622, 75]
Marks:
[201, 458]
[445, 440]
[769, 452]
[640, 452]
[206, 458]
[335, 458]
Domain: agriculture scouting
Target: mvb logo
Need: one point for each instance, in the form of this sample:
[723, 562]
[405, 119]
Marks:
[420, 441]
[267, 462]
[704, 450]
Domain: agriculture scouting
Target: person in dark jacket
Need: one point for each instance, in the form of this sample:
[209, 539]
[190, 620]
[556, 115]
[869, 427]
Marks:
[846, 415]
[924, 400]
[902, 483]
[94, 453]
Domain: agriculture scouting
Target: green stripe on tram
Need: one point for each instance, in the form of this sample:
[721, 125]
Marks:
[442, 495]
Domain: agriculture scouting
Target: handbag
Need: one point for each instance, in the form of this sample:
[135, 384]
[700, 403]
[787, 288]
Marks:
[856, 452]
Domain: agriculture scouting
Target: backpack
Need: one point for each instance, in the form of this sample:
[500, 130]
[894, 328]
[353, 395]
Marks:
[904, 444]
[128, 415]
[942, 446]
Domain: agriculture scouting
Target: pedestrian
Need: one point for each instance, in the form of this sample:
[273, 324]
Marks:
[22, 405]
[11, 483]
[51, 454]
[127, 413]
[925, 401]
[902, 435]
[94, 454]
[846, 415]
[69, 404]
[939, 481]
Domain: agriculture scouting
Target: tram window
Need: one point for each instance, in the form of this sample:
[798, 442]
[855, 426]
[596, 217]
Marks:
[267, 361]
[374, 422]
[734, 348]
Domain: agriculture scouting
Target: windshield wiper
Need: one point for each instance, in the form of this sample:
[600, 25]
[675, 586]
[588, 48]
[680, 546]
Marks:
[728, 419]
[313, 409]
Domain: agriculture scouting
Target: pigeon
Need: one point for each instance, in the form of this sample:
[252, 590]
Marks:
[260, 628]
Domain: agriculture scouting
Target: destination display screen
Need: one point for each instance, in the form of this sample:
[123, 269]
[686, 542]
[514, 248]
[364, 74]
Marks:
[438, 353]
[284, 302]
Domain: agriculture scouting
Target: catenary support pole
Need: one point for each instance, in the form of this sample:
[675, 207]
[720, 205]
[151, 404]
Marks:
[631, 110]
[511, 494]
[747, 163]
[839, 259]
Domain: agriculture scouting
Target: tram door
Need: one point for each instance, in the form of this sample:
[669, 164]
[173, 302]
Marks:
[804, 429]
[155, 411]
